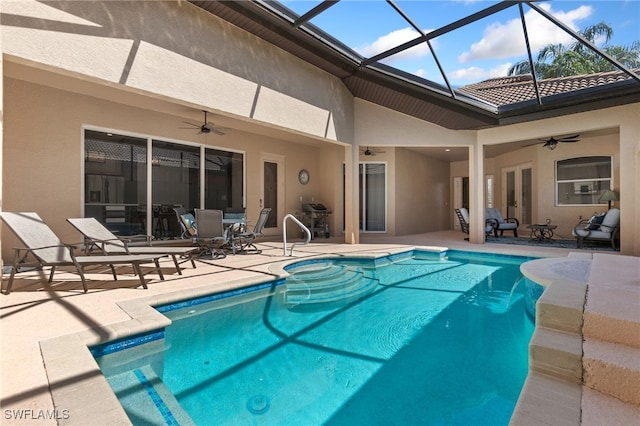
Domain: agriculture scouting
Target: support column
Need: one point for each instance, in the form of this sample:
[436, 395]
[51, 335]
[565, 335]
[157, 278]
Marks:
[476, 193]
[352, 195]
[629, 177]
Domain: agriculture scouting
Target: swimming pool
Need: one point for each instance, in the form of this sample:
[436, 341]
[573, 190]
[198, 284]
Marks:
[414, 338]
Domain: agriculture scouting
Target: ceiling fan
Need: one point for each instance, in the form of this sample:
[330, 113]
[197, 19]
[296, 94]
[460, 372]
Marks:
[552, 142]
[369, 152]
[207, 127]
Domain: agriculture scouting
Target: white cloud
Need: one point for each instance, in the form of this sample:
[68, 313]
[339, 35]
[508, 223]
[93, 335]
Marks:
[475, 74]
[393, 39]
[501, 41]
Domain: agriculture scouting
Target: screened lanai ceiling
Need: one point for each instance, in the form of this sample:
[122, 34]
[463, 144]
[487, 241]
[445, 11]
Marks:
[453, 72]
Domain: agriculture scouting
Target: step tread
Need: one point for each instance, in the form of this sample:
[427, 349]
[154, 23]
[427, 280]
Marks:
[330, 296]
[613, 353]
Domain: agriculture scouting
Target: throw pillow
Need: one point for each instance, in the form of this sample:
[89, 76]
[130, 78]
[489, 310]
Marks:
[189, 223]
[595, 221]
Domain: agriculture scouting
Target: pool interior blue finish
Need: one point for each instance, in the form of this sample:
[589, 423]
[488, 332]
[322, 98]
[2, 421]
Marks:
[437, 340]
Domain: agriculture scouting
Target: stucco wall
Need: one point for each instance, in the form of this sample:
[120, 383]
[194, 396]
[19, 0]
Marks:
[379, 126]
[202, 60]
[422, 193]
[43, 157]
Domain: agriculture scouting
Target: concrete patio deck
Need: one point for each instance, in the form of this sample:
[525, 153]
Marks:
[35, 313]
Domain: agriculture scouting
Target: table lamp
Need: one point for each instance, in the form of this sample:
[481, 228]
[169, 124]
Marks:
[609, 196]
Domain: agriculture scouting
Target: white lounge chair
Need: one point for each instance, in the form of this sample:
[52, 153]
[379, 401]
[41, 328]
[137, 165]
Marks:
[46, 249]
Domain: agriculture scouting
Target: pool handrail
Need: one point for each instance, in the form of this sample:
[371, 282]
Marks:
[284, 233]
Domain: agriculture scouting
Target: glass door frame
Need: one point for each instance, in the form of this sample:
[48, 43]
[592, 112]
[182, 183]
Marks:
[364, 196]
[279, 160]
[521, 199]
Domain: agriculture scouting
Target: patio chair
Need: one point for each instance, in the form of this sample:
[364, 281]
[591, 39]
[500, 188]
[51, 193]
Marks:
[211, 235]
[501, 224]
[181, 211]
[463, 218]
[598, 228]
[246, 240]
[99, 236]
[46, 249]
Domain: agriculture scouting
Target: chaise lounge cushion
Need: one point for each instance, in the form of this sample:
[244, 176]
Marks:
[610, 221]
[189, 223]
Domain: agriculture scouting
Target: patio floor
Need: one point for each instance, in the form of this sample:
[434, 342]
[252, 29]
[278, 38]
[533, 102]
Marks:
[34, 312]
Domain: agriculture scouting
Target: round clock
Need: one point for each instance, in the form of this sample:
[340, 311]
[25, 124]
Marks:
[303, 177]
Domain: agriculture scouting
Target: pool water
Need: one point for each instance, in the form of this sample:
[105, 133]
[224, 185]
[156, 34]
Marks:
[422, 339]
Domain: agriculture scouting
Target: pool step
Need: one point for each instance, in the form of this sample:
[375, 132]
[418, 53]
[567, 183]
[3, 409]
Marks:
[612, 369]
[325, 283]
[587, 338]
[146, 399]
[611, 329]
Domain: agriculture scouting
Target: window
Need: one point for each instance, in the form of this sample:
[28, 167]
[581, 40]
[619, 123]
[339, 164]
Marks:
[581, 181]
[489, 190]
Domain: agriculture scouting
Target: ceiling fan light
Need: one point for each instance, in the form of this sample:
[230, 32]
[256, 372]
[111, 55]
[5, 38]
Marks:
[552, 145]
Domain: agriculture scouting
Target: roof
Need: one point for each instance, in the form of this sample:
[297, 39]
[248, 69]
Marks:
[520, 88]
[370, 80]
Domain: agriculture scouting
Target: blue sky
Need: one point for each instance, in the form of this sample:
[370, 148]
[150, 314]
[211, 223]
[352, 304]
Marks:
[479, 51]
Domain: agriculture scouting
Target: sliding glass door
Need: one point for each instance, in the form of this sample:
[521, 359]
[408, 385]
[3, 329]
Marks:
[115, 181]
[118, 181]
[373, 197]
[223, 180]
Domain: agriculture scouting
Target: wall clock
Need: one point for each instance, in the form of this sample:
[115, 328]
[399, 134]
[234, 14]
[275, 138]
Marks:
[303, 177]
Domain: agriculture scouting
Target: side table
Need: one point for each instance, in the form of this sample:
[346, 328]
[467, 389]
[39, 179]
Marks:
[542, 231]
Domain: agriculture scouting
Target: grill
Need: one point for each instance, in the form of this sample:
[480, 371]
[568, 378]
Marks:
[314, 217]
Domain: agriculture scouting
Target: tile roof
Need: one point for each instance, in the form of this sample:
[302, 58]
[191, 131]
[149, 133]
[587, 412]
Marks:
[518, 88]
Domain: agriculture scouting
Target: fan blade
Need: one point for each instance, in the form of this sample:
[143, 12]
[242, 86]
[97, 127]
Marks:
[570, 137]
[216, 129]
[569, 140]
[532, 144]
[190, 124]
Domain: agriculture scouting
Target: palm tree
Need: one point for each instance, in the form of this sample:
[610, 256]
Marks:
[558, 60]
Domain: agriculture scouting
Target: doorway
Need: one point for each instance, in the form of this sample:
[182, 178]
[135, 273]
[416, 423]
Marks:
[460, 197]
[272, 191]
[517, 192]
